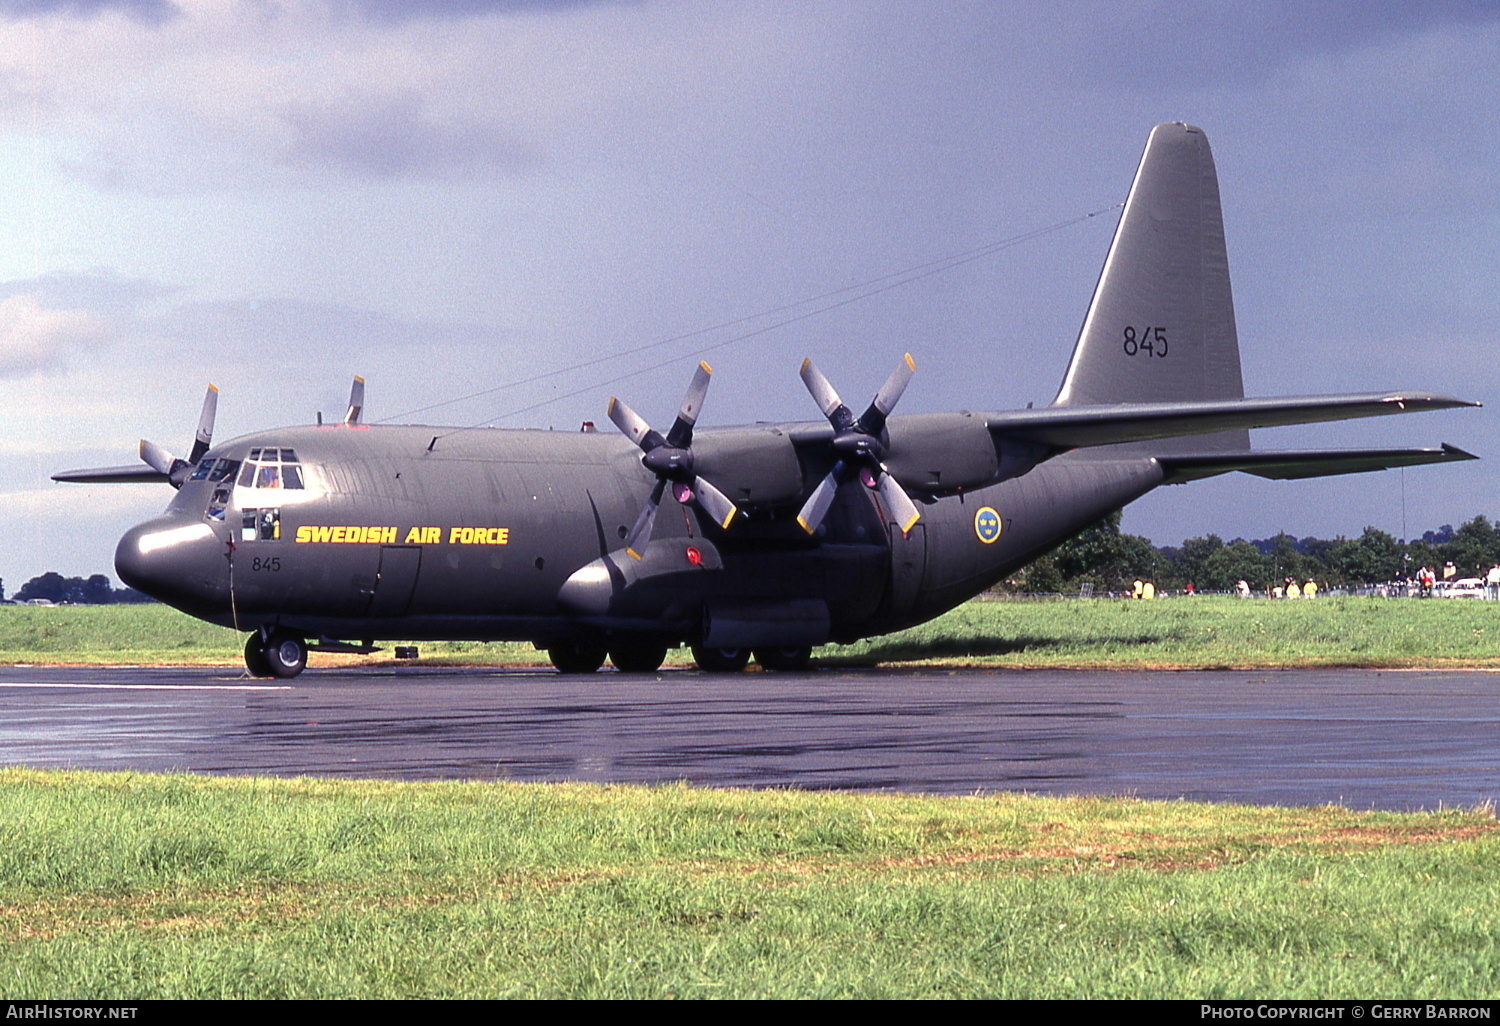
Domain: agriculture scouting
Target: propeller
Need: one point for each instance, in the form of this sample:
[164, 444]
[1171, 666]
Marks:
[356, 401]
[670, 458]
[177, 470]
[858, 445]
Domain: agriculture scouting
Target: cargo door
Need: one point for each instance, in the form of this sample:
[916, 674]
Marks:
[396, 580]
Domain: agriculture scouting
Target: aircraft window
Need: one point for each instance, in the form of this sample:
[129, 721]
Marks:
[214, 470]
[260, 524]
[271, 468]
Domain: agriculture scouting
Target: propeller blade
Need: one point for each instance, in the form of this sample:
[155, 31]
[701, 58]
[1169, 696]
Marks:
[630, 423]
[873, 422]
[163, 462]
[822, 389]
[641, 532]
[356, 401]
[681, 434]
[164, 465]
[205, 435]
[816, 507]
[157, 458]
[714, 502]
[901, 508]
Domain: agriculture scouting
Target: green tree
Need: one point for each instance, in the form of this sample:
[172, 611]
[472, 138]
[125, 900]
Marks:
[1102, 556]
[1239, 561]
[1371, 558]
[1189, 561]
[1473, 548]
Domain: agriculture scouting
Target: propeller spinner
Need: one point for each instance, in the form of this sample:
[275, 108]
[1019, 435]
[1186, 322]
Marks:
[670, 458]
[858, 445]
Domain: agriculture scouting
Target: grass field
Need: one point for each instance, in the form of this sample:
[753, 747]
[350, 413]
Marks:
[129, 886]
[1202, 632]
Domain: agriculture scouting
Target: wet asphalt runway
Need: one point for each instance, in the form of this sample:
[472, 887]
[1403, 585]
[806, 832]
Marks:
[1382, 739]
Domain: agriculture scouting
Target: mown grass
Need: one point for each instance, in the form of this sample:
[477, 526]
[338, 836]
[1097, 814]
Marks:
[1202, 632]
[131, 886]
[1197, 633]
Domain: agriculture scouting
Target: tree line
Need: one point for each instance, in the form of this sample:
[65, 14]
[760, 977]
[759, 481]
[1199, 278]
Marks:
[1109, 560]
[96, 590]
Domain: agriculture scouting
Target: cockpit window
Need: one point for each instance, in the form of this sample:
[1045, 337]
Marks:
[271, 468]
[211, 469]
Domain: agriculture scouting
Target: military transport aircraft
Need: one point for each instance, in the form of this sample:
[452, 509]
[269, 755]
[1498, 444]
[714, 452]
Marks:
[768, 539]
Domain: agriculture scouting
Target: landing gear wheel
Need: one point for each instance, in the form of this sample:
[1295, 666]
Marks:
[255, 657]
[784, 660]
[720, 660]
[572, 657]
[637, 656]
[285, 655]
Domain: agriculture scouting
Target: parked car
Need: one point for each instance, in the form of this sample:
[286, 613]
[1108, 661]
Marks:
[1464, 587]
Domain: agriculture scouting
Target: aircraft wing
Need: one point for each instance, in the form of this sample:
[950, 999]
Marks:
[1298, 463]
[133, 474]
[1076, 427]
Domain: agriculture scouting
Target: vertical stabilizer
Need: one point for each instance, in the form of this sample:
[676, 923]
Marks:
[1161, 324]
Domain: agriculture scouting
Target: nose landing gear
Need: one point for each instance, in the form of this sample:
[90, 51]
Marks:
[278, 654]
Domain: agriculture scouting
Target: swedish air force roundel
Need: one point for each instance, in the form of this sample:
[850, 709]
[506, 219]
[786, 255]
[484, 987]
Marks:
[987, 524]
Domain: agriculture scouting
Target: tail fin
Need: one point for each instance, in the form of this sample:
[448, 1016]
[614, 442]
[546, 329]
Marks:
[1161, 324]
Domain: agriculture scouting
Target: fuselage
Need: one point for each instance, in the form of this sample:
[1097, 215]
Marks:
[381, 532]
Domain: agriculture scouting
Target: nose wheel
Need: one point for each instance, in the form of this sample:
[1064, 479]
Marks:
[280, 655]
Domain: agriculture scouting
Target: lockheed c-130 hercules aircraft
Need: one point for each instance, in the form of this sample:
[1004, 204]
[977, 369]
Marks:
[768, 539]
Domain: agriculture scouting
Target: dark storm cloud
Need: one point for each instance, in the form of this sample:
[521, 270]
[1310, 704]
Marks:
[150, 12]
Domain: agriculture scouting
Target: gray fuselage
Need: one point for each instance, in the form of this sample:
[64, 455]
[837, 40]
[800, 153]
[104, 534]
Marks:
[518, 535]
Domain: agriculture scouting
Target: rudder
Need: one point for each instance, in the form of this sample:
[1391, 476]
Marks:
[1161, 324]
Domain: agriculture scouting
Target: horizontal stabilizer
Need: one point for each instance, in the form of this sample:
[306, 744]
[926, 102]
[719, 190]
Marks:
[1076, 427]
[1291, 464]
[136, 473]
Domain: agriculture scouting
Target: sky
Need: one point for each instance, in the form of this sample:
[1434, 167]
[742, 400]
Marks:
[517, 208]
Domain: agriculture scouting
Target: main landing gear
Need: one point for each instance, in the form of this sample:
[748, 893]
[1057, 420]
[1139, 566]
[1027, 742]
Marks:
[645, 655]
[630, 655]
[734, 660]
[279, 654]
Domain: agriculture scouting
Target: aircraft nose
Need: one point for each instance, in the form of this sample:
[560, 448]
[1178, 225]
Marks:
[178, 560]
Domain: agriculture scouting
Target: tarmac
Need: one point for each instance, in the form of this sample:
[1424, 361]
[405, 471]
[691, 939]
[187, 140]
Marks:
[1360, 738]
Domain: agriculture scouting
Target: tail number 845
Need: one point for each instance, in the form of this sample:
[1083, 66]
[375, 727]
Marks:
[1145, 342]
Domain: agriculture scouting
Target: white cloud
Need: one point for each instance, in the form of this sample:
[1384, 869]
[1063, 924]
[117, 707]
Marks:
[34, 339]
